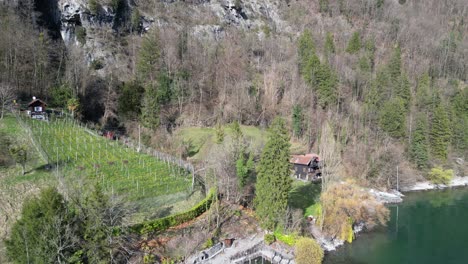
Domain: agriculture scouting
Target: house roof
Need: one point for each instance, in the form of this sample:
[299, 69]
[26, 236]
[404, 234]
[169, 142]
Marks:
[36, 101]
[304, 159]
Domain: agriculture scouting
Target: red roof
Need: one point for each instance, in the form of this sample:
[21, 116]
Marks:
[304, 159]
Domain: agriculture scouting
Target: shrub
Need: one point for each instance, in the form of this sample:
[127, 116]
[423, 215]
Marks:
[81, 35]
[346, 204]
[97, 64]
[269, 238]
[162, 224]
[440, 176]
[289, 240]
[208, 243]
[308, 251]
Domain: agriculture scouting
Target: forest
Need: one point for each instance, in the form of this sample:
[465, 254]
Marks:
[378, 88]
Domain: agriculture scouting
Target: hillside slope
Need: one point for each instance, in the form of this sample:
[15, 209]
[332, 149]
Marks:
[176, 64]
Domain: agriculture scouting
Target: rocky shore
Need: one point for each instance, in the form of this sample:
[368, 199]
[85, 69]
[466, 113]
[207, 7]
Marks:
[427, 185]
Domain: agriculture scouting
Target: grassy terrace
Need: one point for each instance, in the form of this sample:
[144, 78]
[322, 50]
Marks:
[152, 187]
[203, 138]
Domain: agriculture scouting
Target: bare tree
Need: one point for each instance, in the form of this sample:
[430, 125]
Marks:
[330, 155]
[7, 94]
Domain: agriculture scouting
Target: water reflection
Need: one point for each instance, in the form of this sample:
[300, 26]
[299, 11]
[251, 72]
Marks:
[428, 227]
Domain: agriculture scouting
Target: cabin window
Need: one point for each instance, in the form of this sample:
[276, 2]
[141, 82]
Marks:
[38, 109]
[304, 170]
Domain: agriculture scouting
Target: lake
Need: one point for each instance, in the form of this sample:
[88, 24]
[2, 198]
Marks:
[428, 227]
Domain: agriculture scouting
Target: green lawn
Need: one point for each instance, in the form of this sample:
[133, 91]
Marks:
[35, 171]
[202, 139]
[304, 196]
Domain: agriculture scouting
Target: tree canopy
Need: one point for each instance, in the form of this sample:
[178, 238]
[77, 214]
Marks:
[273, 176]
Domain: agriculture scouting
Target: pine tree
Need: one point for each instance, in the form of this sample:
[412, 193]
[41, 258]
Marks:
[306, 48]
[392, 117]
[423, 96]
[419, 153]
[459, 103]
[394, 66]
[403, 90]
[150, 107]
[354, 44]
[309, 63]
[148, 63]
[98, 230]
[297, 120]
[329, 44]
[327, 83]
[237, 131]
[440, 132]
[273, 176]
[45, 232]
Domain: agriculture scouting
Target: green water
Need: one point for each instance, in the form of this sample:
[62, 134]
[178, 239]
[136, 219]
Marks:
[428, 227]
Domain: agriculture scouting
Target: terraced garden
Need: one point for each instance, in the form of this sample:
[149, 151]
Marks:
[73, 151]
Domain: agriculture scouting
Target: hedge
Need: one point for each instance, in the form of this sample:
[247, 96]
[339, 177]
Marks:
[164, 223]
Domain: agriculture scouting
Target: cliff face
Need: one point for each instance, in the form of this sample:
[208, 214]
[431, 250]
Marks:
[91, 30]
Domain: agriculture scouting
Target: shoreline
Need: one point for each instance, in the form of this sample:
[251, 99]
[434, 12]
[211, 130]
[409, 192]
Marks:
[457, 181]
[391, 197]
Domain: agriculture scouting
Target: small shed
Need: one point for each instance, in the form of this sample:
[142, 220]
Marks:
[37, 109]
[306, 167]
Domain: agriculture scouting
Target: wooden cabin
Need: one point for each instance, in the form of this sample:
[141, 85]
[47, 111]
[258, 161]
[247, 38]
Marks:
[306, 167]
[37, 109]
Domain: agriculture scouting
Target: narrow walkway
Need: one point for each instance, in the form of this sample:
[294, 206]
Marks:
[238, 246]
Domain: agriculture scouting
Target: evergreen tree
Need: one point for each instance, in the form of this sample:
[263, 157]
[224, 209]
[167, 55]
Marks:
[459, 104]
[273, 176]
[374, 96]
[148, 63]
[324, 6]
[364, 64]
[327, 82]
[45, 232]
[98, 227]
[244, 168]
[150, 107]
[164, 92]
[329, 44]
[354, 44]
[419, 153]
[237, 131]
[297, 120]
[392, 117]
[440, 132]
[423, 96]
[309, 63]
[394, 66]
[403, 90]
[130, 99]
